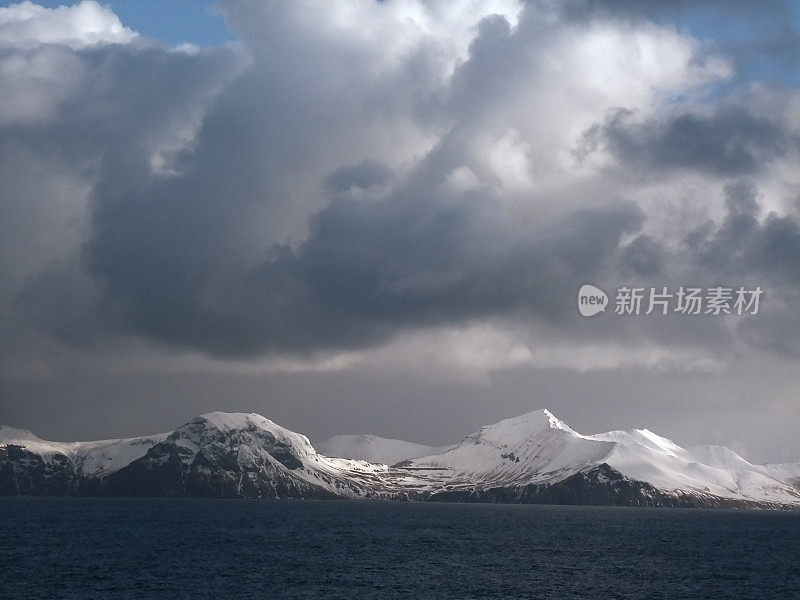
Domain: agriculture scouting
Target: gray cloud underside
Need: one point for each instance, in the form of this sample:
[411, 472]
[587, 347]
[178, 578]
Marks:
[729, 142]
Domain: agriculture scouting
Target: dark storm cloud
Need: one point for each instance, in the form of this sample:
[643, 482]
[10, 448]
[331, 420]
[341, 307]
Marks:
[120, 106]
[63, 301]
[122, 109]
[364, 175]
[742, 245]
[777, 332]
[367, 268]
[642, 256]
[741, 197]
[179, 258]
[218, 253]
[730, 141]
[741, 250]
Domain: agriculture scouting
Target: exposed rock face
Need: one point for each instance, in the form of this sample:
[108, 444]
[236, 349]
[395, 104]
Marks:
[203, 460]
[25, 473]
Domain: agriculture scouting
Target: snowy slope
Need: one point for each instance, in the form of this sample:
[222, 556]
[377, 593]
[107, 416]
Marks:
[90, 458]
[375, 449]
[642, 455]
[787, 472]
[533, 448]
[539, 448]
[246, 455]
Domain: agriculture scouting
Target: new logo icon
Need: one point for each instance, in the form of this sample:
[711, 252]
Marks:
[591, 300]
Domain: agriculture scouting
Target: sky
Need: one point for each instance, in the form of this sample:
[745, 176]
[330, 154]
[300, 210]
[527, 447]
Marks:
[375, 217]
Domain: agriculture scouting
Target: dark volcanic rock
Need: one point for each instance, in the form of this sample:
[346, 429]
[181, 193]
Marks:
[24, 473]
[199, 460]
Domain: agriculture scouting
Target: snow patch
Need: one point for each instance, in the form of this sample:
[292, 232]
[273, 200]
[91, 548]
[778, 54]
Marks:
[375, 449]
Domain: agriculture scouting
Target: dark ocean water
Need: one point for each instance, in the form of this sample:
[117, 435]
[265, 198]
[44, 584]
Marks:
[172, 549]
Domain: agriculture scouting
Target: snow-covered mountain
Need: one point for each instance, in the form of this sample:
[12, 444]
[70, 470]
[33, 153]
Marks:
[536, 452]
[90, 458]
[32, 466]
[533, 448]
[244, 455]
[375, 449]
[532, 458]
[214, 455]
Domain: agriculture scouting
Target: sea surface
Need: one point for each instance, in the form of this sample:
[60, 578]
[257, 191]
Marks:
[173, 549]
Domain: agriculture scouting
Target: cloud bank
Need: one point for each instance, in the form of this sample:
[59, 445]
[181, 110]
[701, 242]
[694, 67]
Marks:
[356, 179]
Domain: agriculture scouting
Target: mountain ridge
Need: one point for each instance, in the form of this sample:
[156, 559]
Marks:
[535, 457]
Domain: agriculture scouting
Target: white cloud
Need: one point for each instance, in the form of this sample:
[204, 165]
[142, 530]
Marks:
[39, 67]
[27, 25]
[549, 82]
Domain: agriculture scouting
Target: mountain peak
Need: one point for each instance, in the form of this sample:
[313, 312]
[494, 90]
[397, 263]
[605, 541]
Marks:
[555, 422]
[236, 421]
[250, 425]
[225, 421]
[517, 428]
[12, 433]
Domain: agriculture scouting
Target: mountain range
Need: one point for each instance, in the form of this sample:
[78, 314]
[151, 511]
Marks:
[533, 458]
